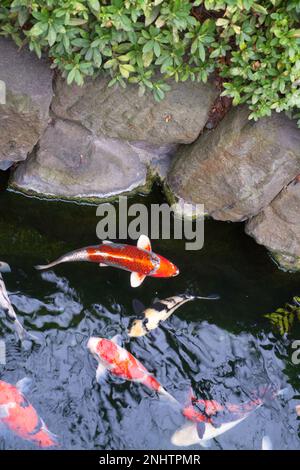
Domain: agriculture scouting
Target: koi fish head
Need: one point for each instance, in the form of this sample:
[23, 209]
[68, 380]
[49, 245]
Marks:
[103, 349]
[166, 268]
[137, 329]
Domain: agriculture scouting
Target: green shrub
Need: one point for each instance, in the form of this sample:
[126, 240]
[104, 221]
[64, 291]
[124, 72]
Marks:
[283, 318]
[252, 45]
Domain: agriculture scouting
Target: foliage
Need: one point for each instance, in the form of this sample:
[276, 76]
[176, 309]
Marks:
[283, 318]
[252, 44]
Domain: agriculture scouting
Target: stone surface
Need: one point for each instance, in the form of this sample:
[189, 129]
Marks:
[278, 227]
[157, 158]
[237, 169]
[121, 113]
[70, 163]
[29, 92]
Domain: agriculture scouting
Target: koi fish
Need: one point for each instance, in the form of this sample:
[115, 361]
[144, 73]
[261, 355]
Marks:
[209, 419]
[121, 363]
[161, 310]
[21, 418]
[139, 260]
[5, 304]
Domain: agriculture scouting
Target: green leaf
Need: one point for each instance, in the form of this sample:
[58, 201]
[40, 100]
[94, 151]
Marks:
[94, 4]
[201, 51]
[222, 22]
[71, 76]
[38, 29]
[259, 8]
[51, 36]
[76, 21]
[147, 58]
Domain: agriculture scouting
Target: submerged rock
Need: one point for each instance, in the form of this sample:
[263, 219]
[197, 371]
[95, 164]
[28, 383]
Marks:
[277, 227]
[123, 114]
[24, 116]
[70, 163]
[237, 169]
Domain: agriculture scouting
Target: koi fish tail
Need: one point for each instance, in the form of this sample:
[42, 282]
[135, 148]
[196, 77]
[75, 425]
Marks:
[41, 267]
[45, 438]
[163, 393]
[22, 332]
[209, 297]
[80, 255]
[266, 394]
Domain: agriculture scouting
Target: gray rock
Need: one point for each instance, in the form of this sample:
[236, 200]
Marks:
[237, 169]
[24, 117]
[157, 158]
[70, 163]
[121, 113]
[277, 227]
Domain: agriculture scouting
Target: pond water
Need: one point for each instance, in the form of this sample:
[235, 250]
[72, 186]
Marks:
[223, 349]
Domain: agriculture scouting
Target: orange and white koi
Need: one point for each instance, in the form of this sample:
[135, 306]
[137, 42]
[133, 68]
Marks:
[21, 418]
[139, 260]
[121, 363]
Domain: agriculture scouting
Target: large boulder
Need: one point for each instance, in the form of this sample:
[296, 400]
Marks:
[238, 169]
[71, 163]
[24, 116]
[277, 227]
[121, 113]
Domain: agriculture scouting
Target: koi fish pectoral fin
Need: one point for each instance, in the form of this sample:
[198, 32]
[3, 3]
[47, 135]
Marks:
[138, 306]
[136, 279]
[117, 339]
[200, 429]
[24, 385]
[102, 265]
[4, 267]
[100, 373]
[144, 243]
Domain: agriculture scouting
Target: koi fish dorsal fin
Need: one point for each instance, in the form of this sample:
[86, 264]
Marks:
[144, 243]
[24, 385]
[106, 242]
[100, 373]
[117, 339]
[136, 279]
[4, 267]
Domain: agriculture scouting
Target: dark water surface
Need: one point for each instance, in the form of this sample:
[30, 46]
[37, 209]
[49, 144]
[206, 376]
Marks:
[223, 349]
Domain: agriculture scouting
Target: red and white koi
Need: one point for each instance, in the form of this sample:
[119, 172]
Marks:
[139, 260]
[209, 419]
[121, 363]
[21, 418]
